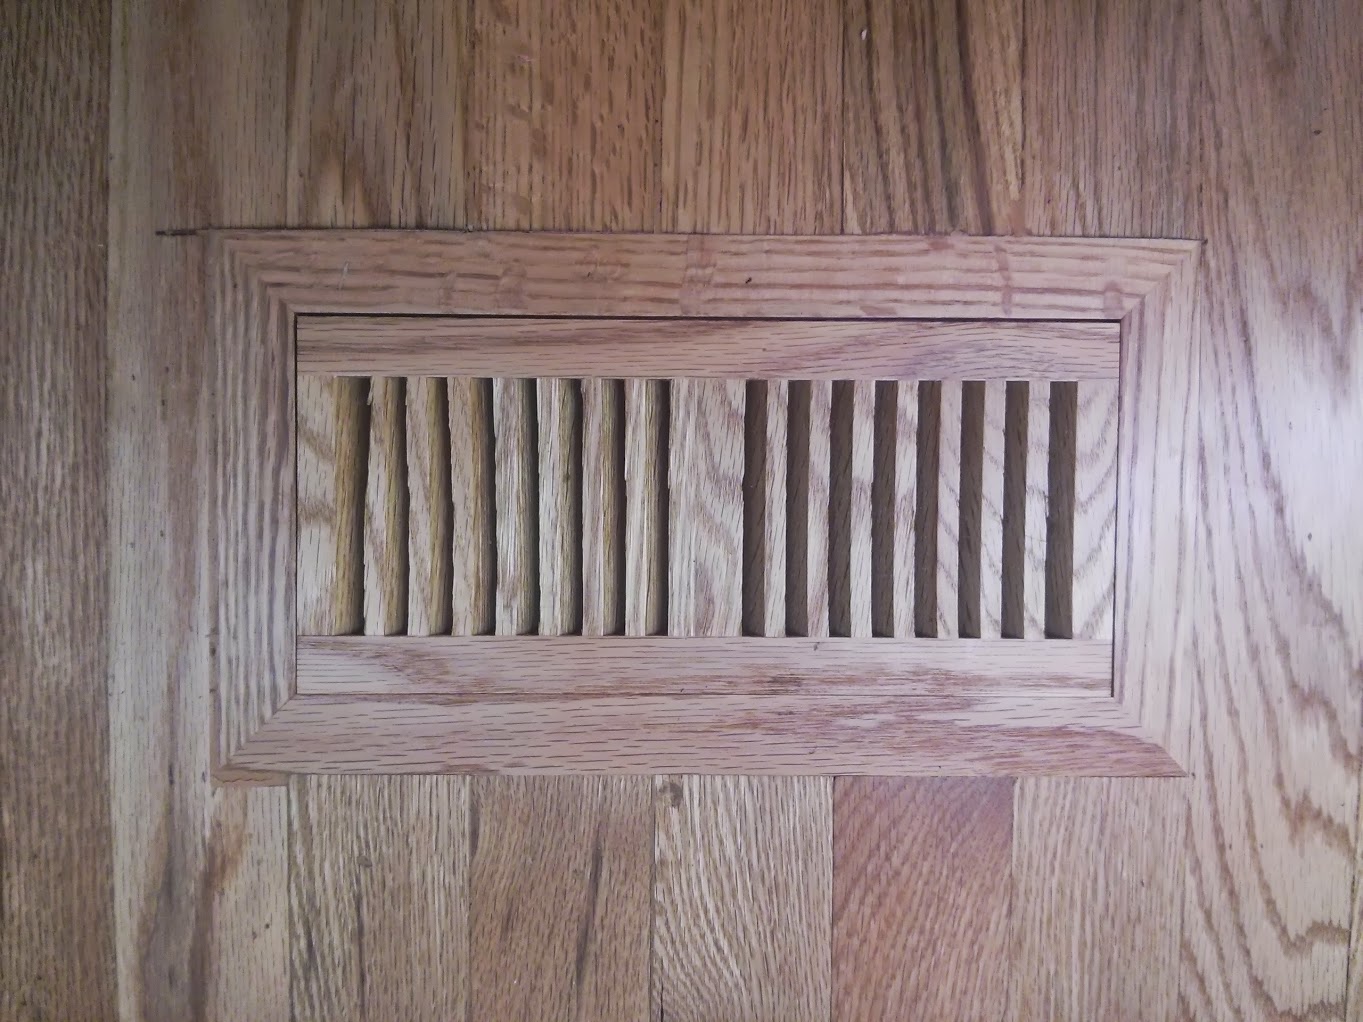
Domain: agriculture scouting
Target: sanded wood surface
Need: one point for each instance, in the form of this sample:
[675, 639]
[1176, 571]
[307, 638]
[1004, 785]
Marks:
[779, 349]
[740, 931]
[922, 878]
[560, 913]
[378, 922]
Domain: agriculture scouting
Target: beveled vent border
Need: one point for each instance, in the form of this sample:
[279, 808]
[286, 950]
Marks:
[264, 280]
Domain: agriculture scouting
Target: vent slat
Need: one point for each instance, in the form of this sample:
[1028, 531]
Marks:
[948, 504]
[1095, 511]
[516, 509]
[895, 504]
[646, 423]
[991, 509]
[764, 504]
[603, 502]
[428, 530]
[385, 510]
[807, 523]
[560, 504]
[1035, 515]
[473, 541]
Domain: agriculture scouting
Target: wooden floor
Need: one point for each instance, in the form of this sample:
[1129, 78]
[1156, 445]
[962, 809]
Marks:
[131, 887]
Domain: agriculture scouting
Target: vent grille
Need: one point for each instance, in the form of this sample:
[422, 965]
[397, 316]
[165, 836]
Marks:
[706, 507]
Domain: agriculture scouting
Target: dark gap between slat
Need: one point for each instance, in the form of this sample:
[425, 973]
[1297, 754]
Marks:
[883, 523]
[840, 511]
[754, 511]
[925, 520]
[797, 510]
[972, 504]
[1060, 511]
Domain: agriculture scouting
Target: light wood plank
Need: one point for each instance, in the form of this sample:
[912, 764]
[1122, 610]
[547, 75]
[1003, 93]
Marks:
[332, 434]
[603, 501]
[376, 122]
[429, 542]
[949, 510]
[922, 884]
[496, 667]
[932, 115]
[646, 425]
[385, 510]
[782, 349]
[60, 635]
[559, 432]
[751, 125]
[991, 510]
[200, 870]
[379, 924]
[559, 921]
[1095, 512]
[516, 506]
[740, 933]
[504, 42]
[473, 529]
[1036, 510]
[764, 507]
[1048, 732]
[705, 508]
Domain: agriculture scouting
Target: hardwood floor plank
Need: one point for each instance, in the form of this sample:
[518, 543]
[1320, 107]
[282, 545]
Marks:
[200, 870]
[742, 889]
[1274, 803]
[56, 837]
[378, 895]
[933, 116]
[376, 124]
[751, 116]
[705, 510]
[559, 920]
[912, 940]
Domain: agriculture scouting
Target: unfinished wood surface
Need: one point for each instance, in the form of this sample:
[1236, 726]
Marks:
[766, 454]
[751, 119]
[1095, 511]
[378, 883]
[429, 543]
[559, 433]
[836, 349]
[922, 878]
[58, 459]
[332, 438]
[1036, 510]
[559, 922]
[646, 537]
[894, 504]
[516, 503]
[807, 517]
[571, 665]
[740, 932]
[473, 528]
[1049, 732]
[603, 504]
[200, 870]
[948, 574]
[667, 276]
[385, 510]
[992, 471]
[705, 508]
[1279, 608]
[932, 117]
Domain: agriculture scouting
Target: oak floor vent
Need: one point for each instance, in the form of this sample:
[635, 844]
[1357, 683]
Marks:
[660, 503]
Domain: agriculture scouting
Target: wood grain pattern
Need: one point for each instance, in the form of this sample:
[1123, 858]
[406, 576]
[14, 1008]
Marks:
[57, 895]
[766, 453]
[385, 510]
[991, 509]
[332, 440]
[1095, 512]
[570, 665]
[948, 574]
[646, 537]
[379, 921]
[751, 122]
[779, 349]
[1273, 811]
[517, 506]
[739, 932]
[912, 942]
[807, 516]
[705, 508]
[851, 585]
[1036, 514]
[429, 543]
[200, 871]
[895, 501]
[603, 507]
[932, 111]
[559, 433]
[473, 528]
[559, 922]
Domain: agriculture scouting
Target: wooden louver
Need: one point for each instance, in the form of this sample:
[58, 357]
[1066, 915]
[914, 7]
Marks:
[656, 503]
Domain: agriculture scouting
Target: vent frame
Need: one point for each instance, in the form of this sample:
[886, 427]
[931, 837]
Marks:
[263, 281]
